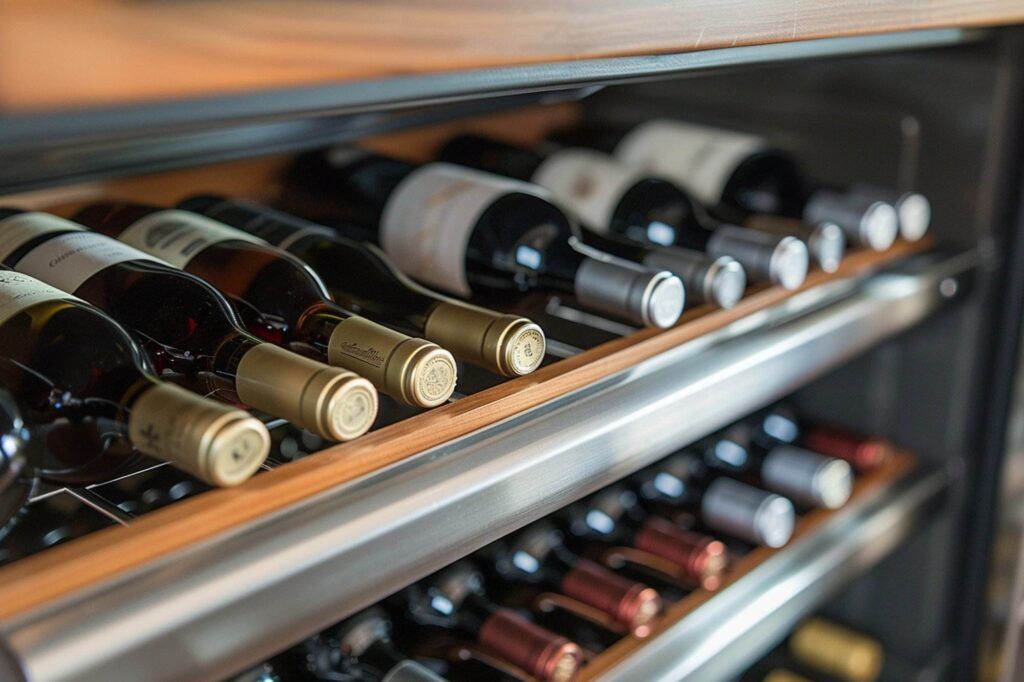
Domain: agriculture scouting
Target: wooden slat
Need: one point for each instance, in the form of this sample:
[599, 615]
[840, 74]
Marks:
[101, 555]
[866, 484]
[62, 54]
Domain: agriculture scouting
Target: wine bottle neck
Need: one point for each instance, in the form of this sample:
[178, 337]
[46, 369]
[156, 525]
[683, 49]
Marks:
[593, 136]
[492, 156]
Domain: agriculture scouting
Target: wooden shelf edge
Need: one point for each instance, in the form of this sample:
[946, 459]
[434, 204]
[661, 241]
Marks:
[99, 556]
[866, 484]
[62, 55]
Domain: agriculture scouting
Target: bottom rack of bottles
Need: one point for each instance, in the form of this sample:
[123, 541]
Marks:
[604, 580]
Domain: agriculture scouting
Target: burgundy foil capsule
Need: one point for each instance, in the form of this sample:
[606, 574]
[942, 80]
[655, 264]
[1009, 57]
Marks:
[701, 559]
[531, 648]
[633, 605]
[864, 453]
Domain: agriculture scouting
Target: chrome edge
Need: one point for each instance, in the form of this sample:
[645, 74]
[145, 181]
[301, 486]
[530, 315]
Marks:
[226, 603]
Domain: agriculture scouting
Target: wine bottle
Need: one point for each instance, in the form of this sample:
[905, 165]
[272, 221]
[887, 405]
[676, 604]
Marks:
[359, 649]
[364, 280]
[779, 424]
[19, 457]
[189, 330]
[455, 601]
[807, 478]
[538, 557]
[826, 241]
[739, 175]
[864, 453]
[684, 482]
[614, 517]
[837, 651]
[88, 390]
[466, 232]
[717, 281]
[367, 651]
[609, 197]
[285, 293]
[913, 208]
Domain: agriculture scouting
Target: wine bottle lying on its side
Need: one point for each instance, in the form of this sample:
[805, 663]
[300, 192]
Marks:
[538, 557]
[738, 175]
[611, 198]
[614, 517]
[454, 601]
[363, 279]
[466, 232]
[281, 299]
[190, 331]
[89, 391]
[359, 648]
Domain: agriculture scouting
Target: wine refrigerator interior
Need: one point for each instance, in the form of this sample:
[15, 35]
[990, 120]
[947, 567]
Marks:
[703, 373]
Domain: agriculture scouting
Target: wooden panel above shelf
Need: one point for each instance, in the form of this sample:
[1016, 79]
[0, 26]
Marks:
[61, 54]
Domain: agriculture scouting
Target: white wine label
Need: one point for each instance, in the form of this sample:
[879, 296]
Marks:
[179, 236]
[21, 228]
[18, 291]
[68, 260]
[430, 216]
[699, 158]
[589, 183]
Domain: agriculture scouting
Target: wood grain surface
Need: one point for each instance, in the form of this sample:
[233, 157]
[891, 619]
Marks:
[866, 484]
[60, 54]
[106, 553]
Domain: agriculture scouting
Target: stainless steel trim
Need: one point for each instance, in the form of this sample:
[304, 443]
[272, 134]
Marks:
[753, 614]
[219, 606]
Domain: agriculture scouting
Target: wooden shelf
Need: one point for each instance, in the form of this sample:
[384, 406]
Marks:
[75, 565]
[67, 54]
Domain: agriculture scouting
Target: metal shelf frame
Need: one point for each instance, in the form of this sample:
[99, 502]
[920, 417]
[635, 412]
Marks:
[224, 604]
[50, 147]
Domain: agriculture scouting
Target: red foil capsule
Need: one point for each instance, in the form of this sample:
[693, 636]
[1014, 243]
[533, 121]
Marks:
[700, 559]
[864, 453]
[633, 605]
[529, 647]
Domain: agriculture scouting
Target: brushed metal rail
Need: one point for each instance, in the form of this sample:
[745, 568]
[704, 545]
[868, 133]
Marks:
[224, 604]
[753, 614]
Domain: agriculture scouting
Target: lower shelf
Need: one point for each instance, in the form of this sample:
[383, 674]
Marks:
[713, 636]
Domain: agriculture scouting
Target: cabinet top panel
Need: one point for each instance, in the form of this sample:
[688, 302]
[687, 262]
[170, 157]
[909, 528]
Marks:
[72, 54]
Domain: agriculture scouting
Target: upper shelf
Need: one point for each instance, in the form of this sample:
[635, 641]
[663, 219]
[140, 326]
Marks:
[62, 54]
[159, 595]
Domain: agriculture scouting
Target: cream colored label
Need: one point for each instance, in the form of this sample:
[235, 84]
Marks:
[18, 229]
[699, 158]
[528, 351]
[179, 236]
[429, 217]
[18, 291]
[589, 182]
[66, 261]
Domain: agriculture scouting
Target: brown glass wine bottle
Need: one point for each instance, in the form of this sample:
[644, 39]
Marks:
[281, 298]
[89, 392]
[190, 331]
